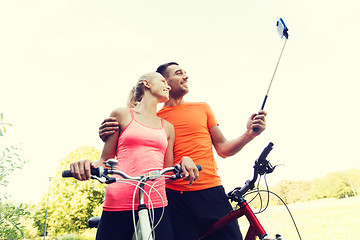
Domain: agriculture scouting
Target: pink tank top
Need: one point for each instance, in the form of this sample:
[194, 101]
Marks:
[139, 150]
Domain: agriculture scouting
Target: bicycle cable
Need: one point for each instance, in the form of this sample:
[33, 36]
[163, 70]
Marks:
[151, 210]
[292, 218]
[258, 191]
[151, 213]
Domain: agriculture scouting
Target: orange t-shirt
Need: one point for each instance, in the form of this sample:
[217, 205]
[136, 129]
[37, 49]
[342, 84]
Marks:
[192, 122]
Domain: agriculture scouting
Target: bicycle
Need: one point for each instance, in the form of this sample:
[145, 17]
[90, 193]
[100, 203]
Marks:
[144, 228]
[261, 167]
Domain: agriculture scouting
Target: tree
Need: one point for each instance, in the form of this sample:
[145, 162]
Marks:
[336, 185]
[9, 158]
[10, 215]
[3, 124]
[293, 191]
[71, 202]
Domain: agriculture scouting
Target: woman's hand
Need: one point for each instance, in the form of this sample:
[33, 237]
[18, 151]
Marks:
[190, 170]
[81, 169]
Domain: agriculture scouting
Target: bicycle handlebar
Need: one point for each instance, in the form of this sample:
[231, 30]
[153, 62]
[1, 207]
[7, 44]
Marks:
[261, 167]
[266, 152]
[94, 172]
[100, 172]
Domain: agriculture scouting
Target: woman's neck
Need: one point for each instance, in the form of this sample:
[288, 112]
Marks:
[147, 107]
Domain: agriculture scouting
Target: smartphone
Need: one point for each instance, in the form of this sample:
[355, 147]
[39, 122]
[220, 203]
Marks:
[282, 29]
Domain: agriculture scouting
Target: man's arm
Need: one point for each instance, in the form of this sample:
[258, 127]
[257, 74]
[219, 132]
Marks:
[108, 127]
[226, 148]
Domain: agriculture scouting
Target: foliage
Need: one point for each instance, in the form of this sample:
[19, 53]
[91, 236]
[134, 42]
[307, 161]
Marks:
[293, 191]
[3, 124]
[333, 185]
[9, 157]
[337, 185]
[10, 215]
[9, 162]
[71, 202]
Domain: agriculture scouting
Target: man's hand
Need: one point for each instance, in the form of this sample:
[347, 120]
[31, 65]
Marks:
[108, 127]
[190, 170]
[257, 120]
[81, 170]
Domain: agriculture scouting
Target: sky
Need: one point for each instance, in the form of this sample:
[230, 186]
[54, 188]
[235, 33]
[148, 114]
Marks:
[65, 65]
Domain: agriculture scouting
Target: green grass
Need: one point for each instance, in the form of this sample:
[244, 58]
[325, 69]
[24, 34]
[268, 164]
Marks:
[330, 219]
[322, 219]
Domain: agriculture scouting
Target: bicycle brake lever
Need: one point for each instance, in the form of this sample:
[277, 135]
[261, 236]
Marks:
[178, 171]
[100, 179]
[112, 162]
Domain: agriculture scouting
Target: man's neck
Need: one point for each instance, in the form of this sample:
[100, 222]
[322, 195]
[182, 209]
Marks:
[174, 102]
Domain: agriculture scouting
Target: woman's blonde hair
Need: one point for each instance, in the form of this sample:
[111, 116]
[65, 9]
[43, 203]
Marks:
[138, 91]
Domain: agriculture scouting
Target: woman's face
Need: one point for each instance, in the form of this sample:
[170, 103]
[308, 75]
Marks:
[160, 88]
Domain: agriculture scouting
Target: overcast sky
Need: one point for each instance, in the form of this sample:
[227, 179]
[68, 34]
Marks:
[66, 64]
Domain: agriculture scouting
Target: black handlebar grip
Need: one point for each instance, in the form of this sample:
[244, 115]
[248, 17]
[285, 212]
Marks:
[94, 172]
[199, 167]
[266, 151]
[67, 173]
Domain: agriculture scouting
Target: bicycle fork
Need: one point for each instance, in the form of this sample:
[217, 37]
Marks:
[143, 230]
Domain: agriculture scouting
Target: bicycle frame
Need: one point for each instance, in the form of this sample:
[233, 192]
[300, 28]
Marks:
[262, 166]
[255, 228]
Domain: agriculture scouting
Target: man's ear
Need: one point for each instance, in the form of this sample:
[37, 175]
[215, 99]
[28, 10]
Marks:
[146, 83]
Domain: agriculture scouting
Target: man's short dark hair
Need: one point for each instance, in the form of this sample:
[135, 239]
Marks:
[162, 68]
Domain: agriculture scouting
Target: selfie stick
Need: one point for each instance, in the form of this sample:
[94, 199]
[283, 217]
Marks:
[283, 32]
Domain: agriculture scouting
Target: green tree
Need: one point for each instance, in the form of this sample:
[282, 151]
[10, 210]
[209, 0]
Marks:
[3, 124]
[71, 202]
[336, 185]
[10, 215]
[293, 191]
[9, 158]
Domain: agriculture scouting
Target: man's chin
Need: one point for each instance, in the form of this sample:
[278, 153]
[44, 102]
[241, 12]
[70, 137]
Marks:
[185, 90]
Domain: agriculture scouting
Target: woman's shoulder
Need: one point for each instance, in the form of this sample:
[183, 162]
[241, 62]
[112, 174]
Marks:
[168, 125]
[120, 112]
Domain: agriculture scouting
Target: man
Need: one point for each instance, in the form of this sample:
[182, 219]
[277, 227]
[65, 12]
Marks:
[193, 208]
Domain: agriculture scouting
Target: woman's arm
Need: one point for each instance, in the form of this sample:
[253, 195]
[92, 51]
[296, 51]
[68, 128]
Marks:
[81, 169]
[169, 154]
[109, 149]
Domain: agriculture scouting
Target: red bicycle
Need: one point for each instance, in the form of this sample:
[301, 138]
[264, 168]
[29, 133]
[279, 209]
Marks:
[261, 167]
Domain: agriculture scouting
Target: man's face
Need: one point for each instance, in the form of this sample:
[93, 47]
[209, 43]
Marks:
[177, 80]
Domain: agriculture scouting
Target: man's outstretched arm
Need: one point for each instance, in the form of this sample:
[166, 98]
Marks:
[226, 148]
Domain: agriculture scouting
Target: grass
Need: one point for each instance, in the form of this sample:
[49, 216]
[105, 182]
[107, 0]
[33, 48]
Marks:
[328, 219]
[322, 219]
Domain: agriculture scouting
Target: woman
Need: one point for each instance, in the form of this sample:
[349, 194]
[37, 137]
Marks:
[144, 142]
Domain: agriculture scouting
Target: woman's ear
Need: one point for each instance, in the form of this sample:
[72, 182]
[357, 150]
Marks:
[146, 83]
